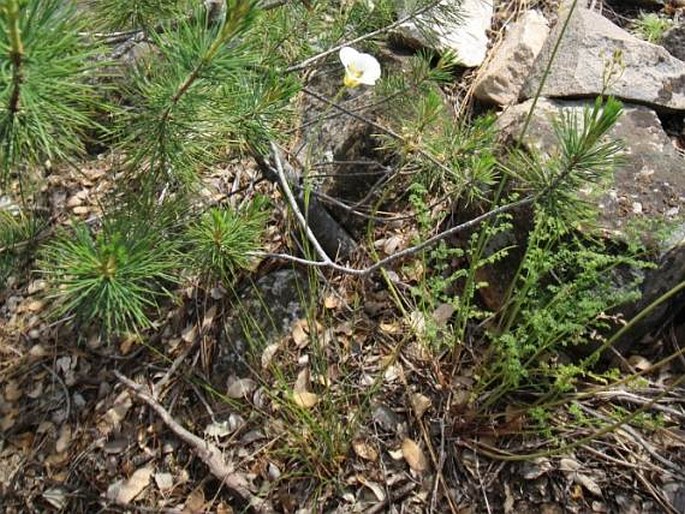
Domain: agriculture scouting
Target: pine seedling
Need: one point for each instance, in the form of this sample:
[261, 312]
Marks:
[586, 156]
[47, 85]
[222, 239]
[113, 279]
[204, 94]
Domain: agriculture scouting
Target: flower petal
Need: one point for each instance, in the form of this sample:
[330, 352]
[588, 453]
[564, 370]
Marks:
[348, 55]
[371, 69]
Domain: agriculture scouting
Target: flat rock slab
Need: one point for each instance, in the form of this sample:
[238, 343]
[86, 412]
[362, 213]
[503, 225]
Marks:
[439, 29]
[650, 74]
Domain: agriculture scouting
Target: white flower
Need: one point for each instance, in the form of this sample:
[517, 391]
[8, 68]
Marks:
[359, 68]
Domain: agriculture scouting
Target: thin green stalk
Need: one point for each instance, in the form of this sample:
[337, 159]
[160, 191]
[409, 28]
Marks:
[526, 125]
[642, 314]
[546, 71]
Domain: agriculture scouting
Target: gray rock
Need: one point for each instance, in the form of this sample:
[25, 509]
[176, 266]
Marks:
[674, 41]
[261, 315]
[501, 79]
[645, 199]
[344, 151]
[439, 29]
[650, 74]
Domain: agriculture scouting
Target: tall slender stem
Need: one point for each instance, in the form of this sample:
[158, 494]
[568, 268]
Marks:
[16, 54]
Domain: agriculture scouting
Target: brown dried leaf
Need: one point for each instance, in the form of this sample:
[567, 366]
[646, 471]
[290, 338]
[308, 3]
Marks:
[195, 503]
[223, 508]
[374, 486]
[34, 306]
[300, 335]
[417, 322]
[364, 450]
[64, 439]
[12, 391]
[392, 244]
[128, 343]
[81, 209]
[115, 415]
[305, 399]
[302, 382]
[639, 363]
[414, 456]
[588, 484]
[268, 354]
[56, 496]
[37, 351]
[391, 327]
[125, 491]
[189, 334]
[443, 313]
[208, 318]
[164, 481]
[331, 302]
[569, 465]
[420, 404]
[240, 387]
[8, 420]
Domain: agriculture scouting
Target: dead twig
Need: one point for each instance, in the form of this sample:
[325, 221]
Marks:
[326, 261]
[206, 451]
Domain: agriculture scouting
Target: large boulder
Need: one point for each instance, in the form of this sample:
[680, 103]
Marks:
[500, 81]
[457, 25]
[674, 41]
[649, 184]
[644, 74]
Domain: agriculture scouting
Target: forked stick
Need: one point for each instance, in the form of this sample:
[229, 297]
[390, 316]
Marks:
[208, 453]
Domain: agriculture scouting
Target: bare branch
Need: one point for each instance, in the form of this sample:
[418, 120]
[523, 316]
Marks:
[326, 261]
[293, 205]
[208, 453]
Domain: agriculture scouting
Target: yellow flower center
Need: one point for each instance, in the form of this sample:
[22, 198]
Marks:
[352, 76]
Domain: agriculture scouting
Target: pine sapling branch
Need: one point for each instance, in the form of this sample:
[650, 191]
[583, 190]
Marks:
[16, 53]
[236, 20]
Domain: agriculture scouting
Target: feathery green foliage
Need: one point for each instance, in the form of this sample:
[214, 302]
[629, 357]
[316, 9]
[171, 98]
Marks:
[142, 14]
[585, 157]
[220, 241]
[205, 93]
